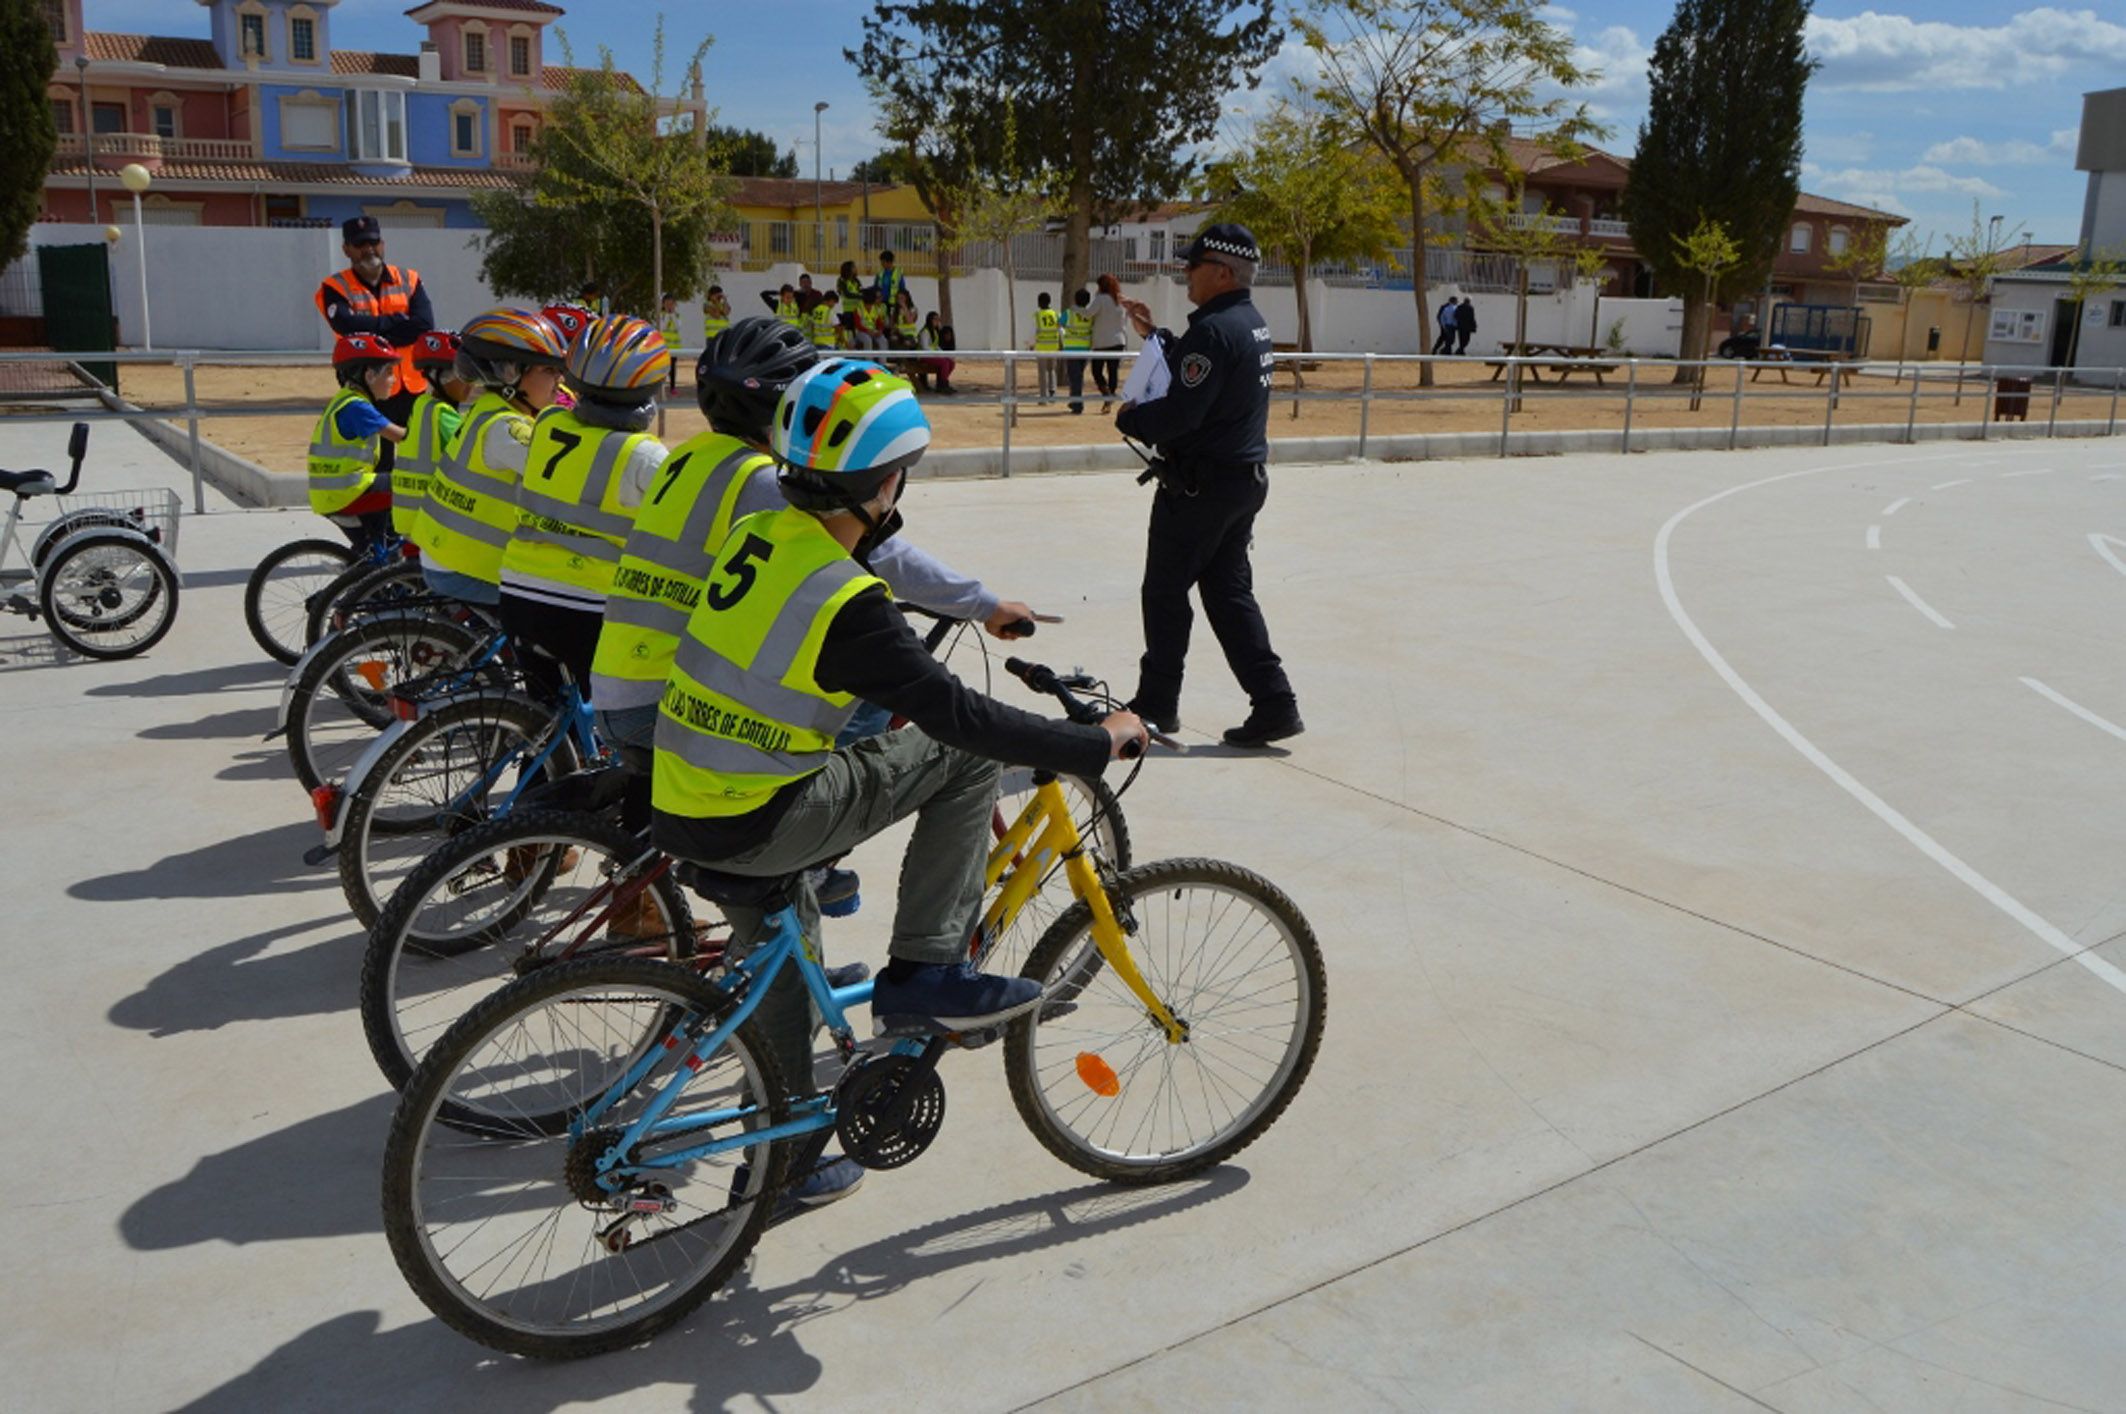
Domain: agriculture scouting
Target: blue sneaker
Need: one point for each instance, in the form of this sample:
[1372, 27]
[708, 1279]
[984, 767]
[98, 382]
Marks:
[848, 975]
[830, 1181]
[924, 998]
[838, 891]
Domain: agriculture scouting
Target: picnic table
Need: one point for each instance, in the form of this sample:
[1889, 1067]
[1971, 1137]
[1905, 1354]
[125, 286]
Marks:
[1537, 349]
[1829, 362]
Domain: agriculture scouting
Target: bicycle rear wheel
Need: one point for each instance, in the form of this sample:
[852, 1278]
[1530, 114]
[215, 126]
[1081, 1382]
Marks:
[365, 588]
[1095, 1077]
[497, 1222]
[108, 594]
[276, 597]
[342, 699]
[502, 900]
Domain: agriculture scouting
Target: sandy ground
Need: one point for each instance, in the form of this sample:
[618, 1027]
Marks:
[1464, 400]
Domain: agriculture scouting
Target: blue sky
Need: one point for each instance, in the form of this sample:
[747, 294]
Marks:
[1919, 108]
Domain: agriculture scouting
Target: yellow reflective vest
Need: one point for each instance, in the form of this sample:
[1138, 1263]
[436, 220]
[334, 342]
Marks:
[826, 327]
[1047, 330]
[341, 470]
[431, 431]
[678, 529]
[570, 522]
[713, 323]
[1077, 328]
[472, 503]
[743, 714]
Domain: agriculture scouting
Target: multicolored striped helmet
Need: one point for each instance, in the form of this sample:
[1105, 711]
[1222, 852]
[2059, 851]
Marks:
[618, 359]
[438, 348]
[842, 428]
[495, 348]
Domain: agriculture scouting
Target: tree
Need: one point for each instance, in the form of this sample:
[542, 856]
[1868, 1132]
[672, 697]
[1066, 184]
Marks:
[609, 147]
[1862, 258]
[1972, 262]
[1435, 85]
[1111, 94]
[2096, 275]
[999, 206]
[1590, 266]
[746, 153]
[1307, 197]
[26, 63]
[1529, 238]
[881, 170]
[1710, 253]
[1722, 135]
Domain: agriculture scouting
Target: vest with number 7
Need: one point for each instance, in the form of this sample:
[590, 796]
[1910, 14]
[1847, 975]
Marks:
[743, 714]
[570, 522]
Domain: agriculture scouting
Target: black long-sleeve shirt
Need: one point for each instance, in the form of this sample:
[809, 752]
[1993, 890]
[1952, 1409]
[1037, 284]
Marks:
[870, 652]
[1216, 411]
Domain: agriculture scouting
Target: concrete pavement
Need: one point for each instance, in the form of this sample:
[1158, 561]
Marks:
[1716, 859]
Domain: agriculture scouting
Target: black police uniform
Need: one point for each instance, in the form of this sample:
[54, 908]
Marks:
[1212, 432]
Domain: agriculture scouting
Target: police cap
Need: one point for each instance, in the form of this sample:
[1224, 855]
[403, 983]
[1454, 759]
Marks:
[356, 229]
[1227, 239]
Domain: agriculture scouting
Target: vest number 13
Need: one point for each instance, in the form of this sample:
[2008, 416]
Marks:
[741, 571]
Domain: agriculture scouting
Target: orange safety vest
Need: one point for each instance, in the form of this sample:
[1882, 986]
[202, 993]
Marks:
[389, 300]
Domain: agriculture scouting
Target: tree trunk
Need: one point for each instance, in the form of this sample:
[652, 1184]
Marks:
[1594, 332]
[1697, 320]
[1520, 339]
[1415, 176]
[1011, 314]
[1963, 353]
[1306, 326]
[1078, 221]
[944, 263]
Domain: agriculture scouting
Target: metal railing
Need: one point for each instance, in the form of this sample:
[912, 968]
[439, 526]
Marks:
[1650, 386]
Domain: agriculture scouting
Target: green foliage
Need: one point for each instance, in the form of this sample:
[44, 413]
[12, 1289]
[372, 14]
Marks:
[1004, 204]
[1722, 134]
[879, 169]
[619, 191]
[26, 63]
[1709, 252]
[2092, 278]
[1111, 94]
[1308, 198]
[746, 153]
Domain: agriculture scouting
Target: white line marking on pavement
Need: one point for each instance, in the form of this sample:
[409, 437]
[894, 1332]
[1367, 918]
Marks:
[2075, 707]
[2034, 471]
[1874, 537]
[1960, 481]
[1916, 602]
[1919, 839]
[1895, 506]
[2103, 544]
[2108, 475]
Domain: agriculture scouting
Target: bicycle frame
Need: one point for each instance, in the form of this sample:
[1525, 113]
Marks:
[1048, 812]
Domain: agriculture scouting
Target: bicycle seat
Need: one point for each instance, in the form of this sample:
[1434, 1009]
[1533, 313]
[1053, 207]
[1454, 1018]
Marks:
[766, 892]
[28, 483]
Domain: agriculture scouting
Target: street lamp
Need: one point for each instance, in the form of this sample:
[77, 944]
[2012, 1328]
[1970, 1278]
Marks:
[819, 216]
[136, 181]
[1993, 233]
[88, 129]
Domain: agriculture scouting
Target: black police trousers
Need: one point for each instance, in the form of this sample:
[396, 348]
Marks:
[1201, 542]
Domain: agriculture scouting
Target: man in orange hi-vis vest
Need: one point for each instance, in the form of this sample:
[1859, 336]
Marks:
[371, 297]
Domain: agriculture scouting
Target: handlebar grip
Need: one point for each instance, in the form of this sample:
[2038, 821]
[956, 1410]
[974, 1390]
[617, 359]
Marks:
[1019, 628]
[1131, 750]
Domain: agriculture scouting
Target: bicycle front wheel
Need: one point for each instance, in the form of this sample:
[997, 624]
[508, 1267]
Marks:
[365, 589]
[498, 1223]
[505, 899]
[108, 594]
[1096, 1078]
[277, 596]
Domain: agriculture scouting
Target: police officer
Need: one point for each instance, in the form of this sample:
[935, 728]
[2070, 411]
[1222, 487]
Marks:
[1211, 429]
[371, 296]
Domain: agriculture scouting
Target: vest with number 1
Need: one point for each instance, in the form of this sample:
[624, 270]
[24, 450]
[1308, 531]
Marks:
[417, 459]
[341, 470]
[570, 523]
[680, 525]
[743, 713]
[1077, 328]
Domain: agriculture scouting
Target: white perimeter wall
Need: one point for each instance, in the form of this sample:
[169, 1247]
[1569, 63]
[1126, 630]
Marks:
[222, 287]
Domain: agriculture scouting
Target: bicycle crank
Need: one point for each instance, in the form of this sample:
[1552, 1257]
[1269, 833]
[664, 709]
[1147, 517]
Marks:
[888, 1109]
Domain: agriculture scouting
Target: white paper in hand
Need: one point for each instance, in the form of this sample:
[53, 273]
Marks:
[1147, 376]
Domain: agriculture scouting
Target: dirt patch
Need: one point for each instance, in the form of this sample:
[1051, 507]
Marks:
[1463, 399]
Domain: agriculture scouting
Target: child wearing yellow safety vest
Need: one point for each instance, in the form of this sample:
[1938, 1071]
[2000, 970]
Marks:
[1078, 338]
[1047, 339]
[348, 440]
[825, 322]
[431, 428]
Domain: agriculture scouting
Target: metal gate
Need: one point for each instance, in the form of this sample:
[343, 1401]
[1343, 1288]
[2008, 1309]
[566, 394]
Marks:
[76, 280]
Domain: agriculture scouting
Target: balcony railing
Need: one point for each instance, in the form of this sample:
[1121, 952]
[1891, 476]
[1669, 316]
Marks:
[147, 147]
[1536, 221]
[516, 161]
[1606, 226]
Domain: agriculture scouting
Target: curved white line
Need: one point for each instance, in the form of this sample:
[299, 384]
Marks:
[1919, 839]
[1895, 506]
[1874, 537]
[2103, 544]
[2075, 707]
[1916, 602]
[1960, 481]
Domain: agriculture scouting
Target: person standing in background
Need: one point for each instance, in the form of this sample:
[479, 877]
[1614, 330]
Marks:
[1464, 325]
[1077, 338]
[715, 313]
[1444, 344]
[892, 284]
[1047, 339]
[389, 301]
[1107, 337]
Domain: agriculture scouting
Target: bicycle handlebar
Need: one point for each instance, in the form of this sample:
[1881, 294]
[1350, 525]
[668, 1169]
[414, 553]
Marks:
[1044, 679]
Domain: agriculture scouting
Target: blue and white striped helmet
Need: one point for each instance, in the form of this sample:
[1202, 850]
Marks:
[842, 428]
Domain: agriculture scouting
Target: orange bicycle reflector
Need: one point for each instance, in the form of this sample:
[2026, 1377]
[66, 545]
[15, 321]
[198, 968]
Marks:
[372, 672]
[1098, 1075]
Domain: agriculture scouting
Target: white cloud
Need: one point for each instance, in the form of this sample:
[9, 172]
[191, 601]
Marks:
[1923, 178]
[1894, 52]
[1973, 152]
[1619, 56]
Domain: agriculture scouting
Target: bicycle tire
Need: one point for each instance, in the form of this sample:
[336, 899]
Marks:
[424, 1145]
[410, 947]
[364, 588]
[491, 727]
[131, 590]
[1098, 813]
[1065, 1100]
[331, 686]
[277, 620]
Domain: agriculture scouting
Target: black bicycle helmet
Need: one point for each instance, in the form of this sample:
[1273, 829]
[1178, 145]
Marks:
[743, 371]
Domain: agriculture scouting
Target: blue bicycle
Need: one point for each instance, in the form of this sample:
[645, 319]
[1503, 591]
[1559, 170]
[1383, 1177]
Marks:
[589, 1153]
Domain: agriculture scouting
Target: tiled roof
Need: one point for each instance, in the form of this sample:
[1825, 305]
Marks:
[795, 191]
[527, 6]
[1530, 156]
[150, 49]
[2031, 257]
[556, 76]
[361, 61]
[305, 173]
[1825, 206]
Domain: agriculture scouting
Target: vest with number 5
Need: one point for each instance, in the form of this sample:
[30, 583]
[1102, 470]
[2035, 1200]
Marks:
[570, 523]
[743, 714]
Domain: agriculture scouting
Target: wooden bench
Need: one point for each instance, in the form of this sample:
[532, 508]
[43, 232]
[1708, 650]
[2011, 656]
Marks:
[1566, 370]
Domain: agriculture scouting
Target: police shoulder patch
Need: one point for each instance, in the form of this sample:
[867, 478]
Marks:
[1194, 369]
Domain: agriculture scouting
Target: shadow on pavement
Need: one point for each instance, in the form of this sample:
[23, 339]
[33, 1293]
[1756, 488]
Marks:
[1219, 748]
[231, 983]
[265, 862]
[217, 579]
[242, 722]
[741, 1345]
[269, 764]
[36, 649]
[226, 678]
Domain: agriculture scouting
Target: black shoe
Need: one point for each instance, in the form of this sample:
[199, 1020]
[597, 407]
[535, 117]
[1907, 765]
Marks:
[1265, 725]
[1165, 723]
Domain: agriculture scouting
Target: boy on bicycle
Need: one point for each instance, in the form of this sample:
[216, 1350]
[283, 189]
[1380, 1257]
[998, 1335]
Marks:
[348, 440]
[431, 428]
[792, 630]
